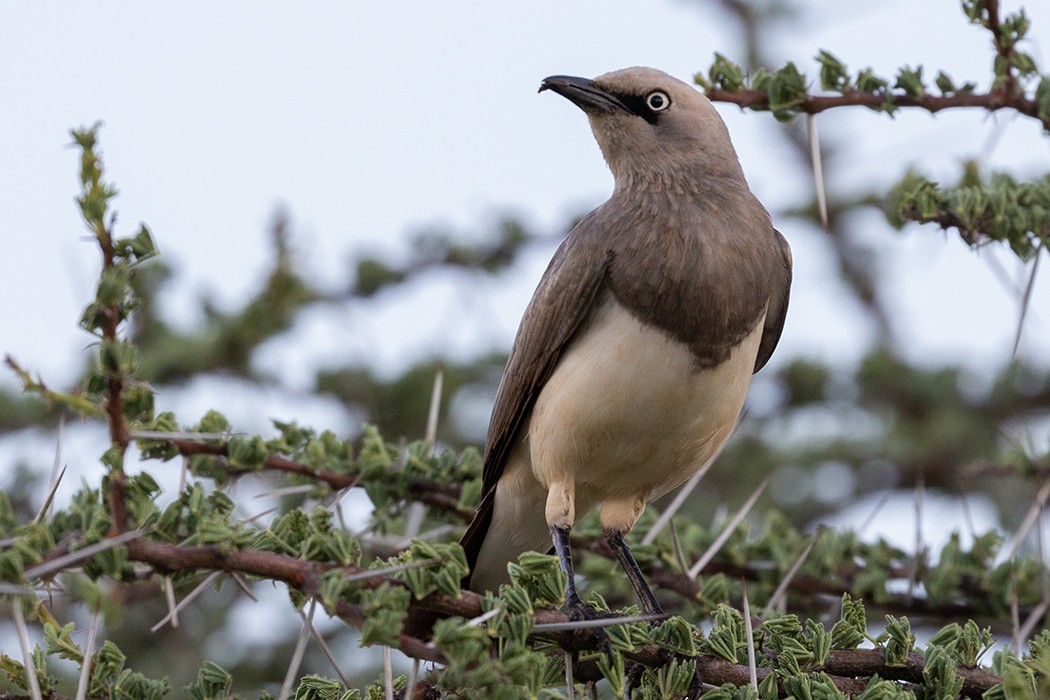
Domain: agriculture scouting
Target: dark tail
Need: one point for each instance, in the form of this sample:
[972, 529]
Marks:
[474, 537]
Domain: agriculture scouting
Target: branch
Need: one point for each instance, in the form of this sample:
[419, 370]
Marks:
[442, 496]
[997, 99]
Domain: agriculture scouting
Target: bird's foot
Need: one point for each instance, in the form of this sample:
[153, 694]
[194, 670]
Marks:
[579, 611]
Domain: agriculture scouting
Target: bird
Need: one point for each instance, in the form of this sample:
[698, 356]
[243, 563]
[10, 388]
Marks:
[633, 359]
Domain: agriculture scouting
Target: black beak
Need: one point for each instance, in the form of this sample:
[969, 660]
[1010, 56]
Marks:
[583, 93]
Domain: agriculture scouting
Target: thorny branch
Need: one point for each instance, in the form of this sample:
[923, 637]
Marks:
[1000, 98]
[443, 496]
[846, 667]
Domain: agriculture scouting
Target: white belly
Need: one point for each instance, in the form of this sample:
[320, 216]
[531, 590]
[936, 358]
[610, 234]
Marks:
[627, 416]
[624, 418]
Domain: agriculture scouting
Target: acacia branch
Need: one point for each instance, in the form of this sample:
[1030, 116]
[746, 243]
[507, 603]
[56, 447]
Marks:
[442, 496]
[1000, 98]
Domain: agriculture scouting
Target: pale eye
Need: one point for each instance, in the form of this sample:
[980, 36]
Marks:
[658, 101]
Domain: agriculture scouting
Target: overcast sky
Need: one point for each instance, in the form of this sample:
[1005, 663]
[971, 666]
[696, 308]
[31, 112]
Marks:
[370, 120]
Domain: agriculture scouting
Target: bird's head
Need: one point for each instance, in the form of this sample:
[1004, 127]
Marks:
[653, 129]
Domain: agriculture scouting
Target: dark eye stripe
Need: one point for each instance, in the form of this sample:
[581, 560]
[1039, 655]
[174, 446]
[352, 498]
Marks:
[637, 105]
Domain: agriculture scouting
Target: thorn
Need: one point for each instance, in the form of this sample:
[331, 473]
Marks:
[412, 675]
[679, 553]
[751, 667]
[388, 673]
[414, 515]
[173, 609]
[920, 543]
[169, 595]
[435, 406]
[54, 565]
[728, 530]
[287, 491]
[1033, 619]
[1029, 519]
[183, 471]
[297, 655]
[433, 534]
[483, 618]
[239, 580]
[674, 505]
[818, 170]
[781, 590]
[1027, 298]
[89, 649]
[591, 624]
[188, 437]
[1015, 616]
[964, 501]
[374, 573]
[875, 511]
[55, 481]
[27, 653]
[15, 589]
[570, 689]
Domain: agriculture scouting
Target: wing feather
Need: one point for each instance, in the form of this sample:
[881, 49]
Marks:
[560, 306]
[776, 311]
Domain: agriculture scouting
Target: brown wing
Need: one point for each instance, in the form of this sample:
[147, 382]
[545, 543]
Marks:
[561, 303]
[778, 304]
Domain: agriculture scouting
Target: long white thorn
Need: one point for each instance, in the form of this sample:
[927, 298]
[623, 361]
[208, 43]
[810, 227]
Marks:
[1029, 519]
[728, 530]
[297, 656]
[388, 673]
[675, 504]
[89, 649]
[781, 591]
[818, 170]
[27, 652]
[752, 668]
[1027, 298]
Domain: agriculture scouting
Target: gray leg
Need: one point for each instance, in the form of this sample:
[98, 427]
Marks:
[560, 536]
[623, 555]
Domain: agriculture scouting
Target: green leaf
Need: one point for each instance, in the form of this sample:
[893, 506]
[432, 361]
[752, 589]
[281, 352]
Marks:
[833, 72]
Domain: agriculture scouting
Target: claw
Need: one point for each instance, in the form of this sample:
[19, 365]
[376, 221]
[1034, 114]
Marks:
[579, 611]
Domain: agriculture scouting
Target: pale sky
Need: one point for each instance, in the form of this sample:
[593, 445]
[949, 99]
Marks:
[370, 120]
